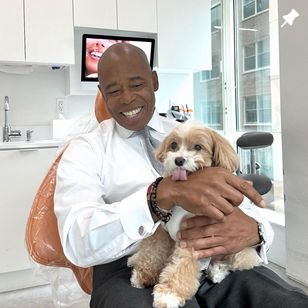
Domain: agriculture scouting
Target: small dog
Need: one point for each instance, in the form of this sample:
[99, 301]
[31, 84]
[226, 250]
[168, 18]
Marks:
[160, 261]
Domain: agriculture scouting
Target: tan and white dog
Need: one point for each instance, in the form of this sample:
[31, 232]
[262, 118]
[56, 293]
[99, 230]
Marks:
[160, 261]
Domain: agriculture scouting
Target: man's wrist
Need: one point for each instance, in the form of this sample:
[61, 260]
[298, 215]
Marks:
[261, 235]
[166, 194]
[162, 214]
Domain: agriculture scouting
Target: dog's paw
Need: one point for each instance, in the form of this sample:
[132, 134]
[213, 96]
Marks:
[217, 272]
[141, 279]
[131, 261]
[167, 300]
[135, 280]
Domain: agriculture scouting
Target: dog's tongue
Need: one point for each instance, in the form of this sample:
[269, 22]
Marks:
[179, 174]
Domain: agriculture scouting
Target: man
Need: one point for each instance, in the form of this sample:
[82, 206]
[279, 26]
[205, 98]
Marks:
[102, 209]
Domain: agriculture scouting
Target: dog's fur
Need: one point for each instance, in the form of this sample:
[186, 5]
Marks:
[160, 261]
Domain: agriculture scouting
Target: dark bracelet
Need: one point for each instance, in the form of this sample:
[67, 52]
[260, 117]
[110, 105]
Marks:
[162, 214]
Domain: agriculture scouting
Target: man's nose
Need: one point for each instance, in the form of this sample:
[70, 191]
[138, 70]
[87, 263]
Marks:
[128, 96]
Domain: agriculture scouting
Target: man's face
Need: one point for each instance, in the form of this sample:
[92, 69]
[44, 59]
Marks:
[128, 88]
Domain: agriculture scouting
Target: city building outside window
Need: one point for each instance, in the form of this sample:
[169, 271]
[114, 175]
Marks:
[241, 93]
[253, 7]
[256, 55]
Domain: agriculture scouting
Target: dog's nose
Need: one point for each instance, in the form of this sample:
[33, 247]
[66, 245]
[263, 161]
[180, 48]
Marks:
[179, 161]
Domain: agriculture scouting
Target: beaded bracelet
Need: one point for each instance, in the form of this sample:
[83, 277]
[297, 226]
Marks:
[162, 214]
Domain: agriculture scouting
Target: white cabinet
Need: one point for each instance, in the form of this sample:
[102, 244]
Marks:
[34, 31]
[100, 14]
[132, 15]
[49, 31]
[137, 15]
[12, 31]
[184, 34]
[21, 172]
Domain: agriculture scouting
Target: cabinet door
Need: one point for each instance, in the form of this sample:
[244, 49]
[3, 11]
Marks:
[49, 31]
[184, 34]
[100, 14]
[12, 31]
[137, 15]
[21, 172]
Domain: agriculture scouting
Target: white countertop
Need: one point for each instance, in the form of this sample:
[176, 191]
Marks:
[35, 144]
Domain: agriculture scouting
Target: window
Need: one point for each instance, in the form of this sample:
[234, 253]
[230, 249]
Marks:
[215, 18]
[252, 7]
[256, 55]
[258, 109]
[241, 92]
[214, 73]
[208, 101]
[210, 112]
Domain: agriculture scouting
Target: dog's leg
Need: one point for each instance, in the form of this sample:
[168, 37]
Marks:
[245, 259]
[151, 257]
[178, 281]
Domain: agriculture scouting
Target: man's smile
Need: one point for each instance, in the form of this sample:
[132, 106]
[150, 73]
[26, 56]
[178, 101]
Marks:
[132, 113]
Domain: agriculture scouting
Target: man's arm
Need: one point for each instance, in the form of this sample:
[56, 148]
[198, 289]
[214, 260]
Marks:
[92, 230]
[239, 230]
[213, 192]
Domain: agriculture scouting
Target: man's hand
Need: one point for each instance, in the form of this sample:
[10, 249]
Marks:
[211, 192]
[209, 237]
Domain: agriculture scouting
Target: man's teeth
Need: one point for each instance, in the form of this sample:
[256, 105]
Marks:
[132, 113]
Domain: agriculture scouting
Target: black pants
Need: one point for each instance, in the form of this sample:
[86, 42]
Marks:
[259, 287]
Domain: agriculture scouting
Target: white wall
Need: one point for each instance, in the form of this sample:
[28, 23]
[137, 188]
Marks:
[294, 112]
[33, 100]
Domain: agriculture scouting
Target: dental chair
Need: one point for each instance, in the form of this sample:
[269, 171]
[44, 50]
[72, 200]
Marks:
[252, 141]
[42, 236]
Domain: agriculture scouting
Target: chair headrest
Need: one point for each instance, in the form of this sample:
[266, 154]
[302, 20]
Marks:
[253, 140]
[101, 111]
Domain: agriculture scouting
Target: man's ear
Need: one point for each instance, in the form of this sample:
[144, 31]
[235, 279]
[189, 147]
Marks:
[155, 80]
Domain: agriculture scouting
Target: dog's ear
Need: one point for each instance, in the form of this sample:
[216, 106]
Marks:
[160, 152]
[224, 154]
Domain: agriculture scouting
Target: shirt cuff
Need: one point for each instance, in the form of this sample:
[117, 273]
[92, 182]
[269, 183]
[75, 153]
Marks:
[135, 216]
[254, 212]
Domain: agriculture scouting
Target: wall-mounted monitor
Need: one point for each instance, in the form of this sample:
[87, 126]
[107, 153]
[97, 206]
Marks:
[94, 45]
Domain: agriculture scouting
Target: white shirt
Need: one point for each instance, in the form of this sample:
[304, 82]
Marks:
[100, 198]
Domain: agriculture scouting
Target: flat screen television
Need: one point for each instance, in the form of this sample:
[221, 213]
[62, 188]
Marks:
[94, 45]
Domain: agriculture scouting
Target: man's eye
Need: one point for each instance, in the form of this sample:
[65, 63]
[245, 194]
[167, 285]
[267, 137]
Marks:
[137, 85]
[197, 147]
[173, 146]
[113, 92]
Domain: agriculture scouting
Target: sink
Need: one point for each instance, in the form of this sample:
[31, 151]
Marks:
[33, 144]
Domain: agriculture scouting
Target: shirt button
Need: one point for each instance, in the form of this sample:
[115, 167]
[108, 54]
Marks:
[141, 230]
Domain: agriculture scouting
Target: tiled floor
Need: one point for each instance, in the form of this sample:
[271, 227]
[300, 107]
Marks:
[41, 297]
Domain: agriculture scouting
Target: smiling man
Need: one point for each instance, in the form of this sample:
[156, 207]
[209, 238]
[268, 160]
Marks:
[128, 87]
[103, 212]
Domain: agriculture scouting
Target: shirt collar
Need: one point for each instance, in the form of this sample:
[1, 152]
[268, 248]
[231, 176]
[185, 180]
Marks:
[155, 123]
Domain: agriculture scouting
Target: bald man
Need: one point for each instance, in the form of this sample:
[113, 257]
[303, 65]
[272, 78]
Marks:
[102, 208]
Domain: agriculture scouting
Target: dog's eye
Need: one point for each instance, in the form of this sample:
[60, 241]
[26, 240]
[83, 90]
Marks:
[173, 145]
[197, 147]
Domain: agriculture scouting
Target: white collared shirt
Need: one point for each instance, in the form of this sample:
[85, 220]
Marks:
[100, 198]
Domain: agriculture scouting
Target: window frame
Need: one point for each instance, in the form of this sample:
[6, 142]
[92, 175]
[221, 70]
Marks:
[256, 55]
[255, 10]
